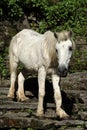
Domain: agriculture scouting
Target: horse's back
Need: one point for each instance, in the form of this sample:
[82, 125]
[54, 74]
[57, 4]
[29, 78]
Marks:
[26, 46]
[24, 38]
[24, 35]
[29, 32]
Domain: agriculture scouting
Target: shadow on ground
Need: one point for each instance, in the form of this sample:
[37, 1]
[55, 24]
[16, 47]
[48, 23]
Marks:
[31, 85]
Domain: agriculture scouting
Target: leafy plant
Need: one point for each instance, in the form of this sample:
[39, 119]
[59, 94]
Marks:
[48, 15]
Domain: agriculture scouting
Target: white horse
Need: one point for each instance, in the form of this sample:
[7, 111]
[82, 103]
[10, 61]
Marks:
[47, 53]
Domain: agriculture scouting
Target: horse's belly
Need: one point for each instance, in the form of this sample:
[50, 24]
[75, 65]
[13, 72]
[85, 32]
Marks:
[31, 62]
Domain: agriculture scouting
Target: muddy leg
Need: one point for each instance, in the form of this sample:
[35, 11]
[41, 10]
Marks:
[41, 83]
[13, 68]
[58, 99]
[20, 93]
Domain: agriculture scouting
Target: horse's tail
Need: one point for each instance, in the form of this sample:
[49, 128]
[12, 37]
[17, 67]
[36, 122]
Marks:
[13, 59]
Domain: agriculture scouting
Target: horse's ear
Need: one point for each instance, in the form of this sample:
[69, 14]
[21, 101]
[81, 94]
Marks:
[70, 33]
[56, 35]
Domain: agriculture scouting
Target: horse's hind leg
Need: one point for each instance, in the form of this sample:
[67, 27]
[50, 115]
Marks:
[13, 68]
[20, 93]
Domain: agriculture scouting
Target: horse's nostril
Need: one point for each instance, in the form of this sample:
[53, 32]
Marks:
[65, 70]
[62, 70]
[59, 69]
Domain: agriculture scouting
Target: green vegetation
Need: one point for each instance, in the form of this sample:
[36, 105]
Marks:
[44, 15]
[49, 14]
[3, 68]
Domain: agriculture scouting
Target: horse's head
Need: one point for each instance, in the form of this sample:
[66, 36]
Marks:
[64, 48]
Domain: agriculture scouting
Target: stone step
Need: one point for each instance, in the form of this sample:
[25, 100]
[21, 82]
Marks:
[77, 95]
[14, 114]
[12, 120]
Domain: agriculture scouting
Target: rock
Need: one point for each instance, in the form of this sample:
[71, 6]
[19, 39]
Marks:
[36, 124]
[73, 128]
[75, 81]
[69, 123]
[82, 115]
[1, 45]
[83, 97]
[14, 114]
[5, 83]
[86, 124]
[0, 79]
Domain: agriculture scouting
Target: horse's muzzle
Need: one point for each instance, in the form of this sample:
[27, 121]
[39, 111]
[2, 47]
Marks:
[62, 71]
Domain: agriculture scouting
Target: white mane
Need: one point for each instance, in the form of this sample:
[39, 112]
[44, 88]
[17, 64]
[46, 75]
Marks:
[50, 42]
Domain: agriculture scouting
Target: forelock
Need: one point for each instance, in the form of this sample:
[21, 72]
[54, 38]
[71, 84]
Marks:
[63, 36]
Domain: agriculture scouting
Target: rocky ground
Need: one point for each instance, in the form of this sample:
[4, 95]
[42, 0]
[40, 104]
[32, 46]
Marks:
[14, 114]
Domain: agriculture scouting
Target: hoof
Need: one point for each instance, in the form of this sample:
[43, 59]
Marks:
[10, 96]
[63, 118]
[40, 114]
[61, 114]
[22, 99]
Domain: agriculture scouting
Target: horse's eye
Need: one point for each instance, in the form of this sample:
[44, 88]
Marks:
[70, 48]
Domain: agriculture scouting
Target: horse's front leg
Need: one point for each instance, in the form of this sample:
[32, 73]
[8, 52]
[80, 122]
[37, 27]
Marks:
[57, 95]
[41, 83]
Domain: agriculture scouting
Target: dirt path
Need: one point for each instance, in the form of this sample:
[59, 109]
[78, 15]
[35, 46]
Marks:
[15, 114]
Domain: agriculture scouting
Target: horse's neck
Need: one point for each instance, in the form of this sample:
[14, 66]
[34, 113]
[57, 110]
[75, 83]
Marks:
[50, 43]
